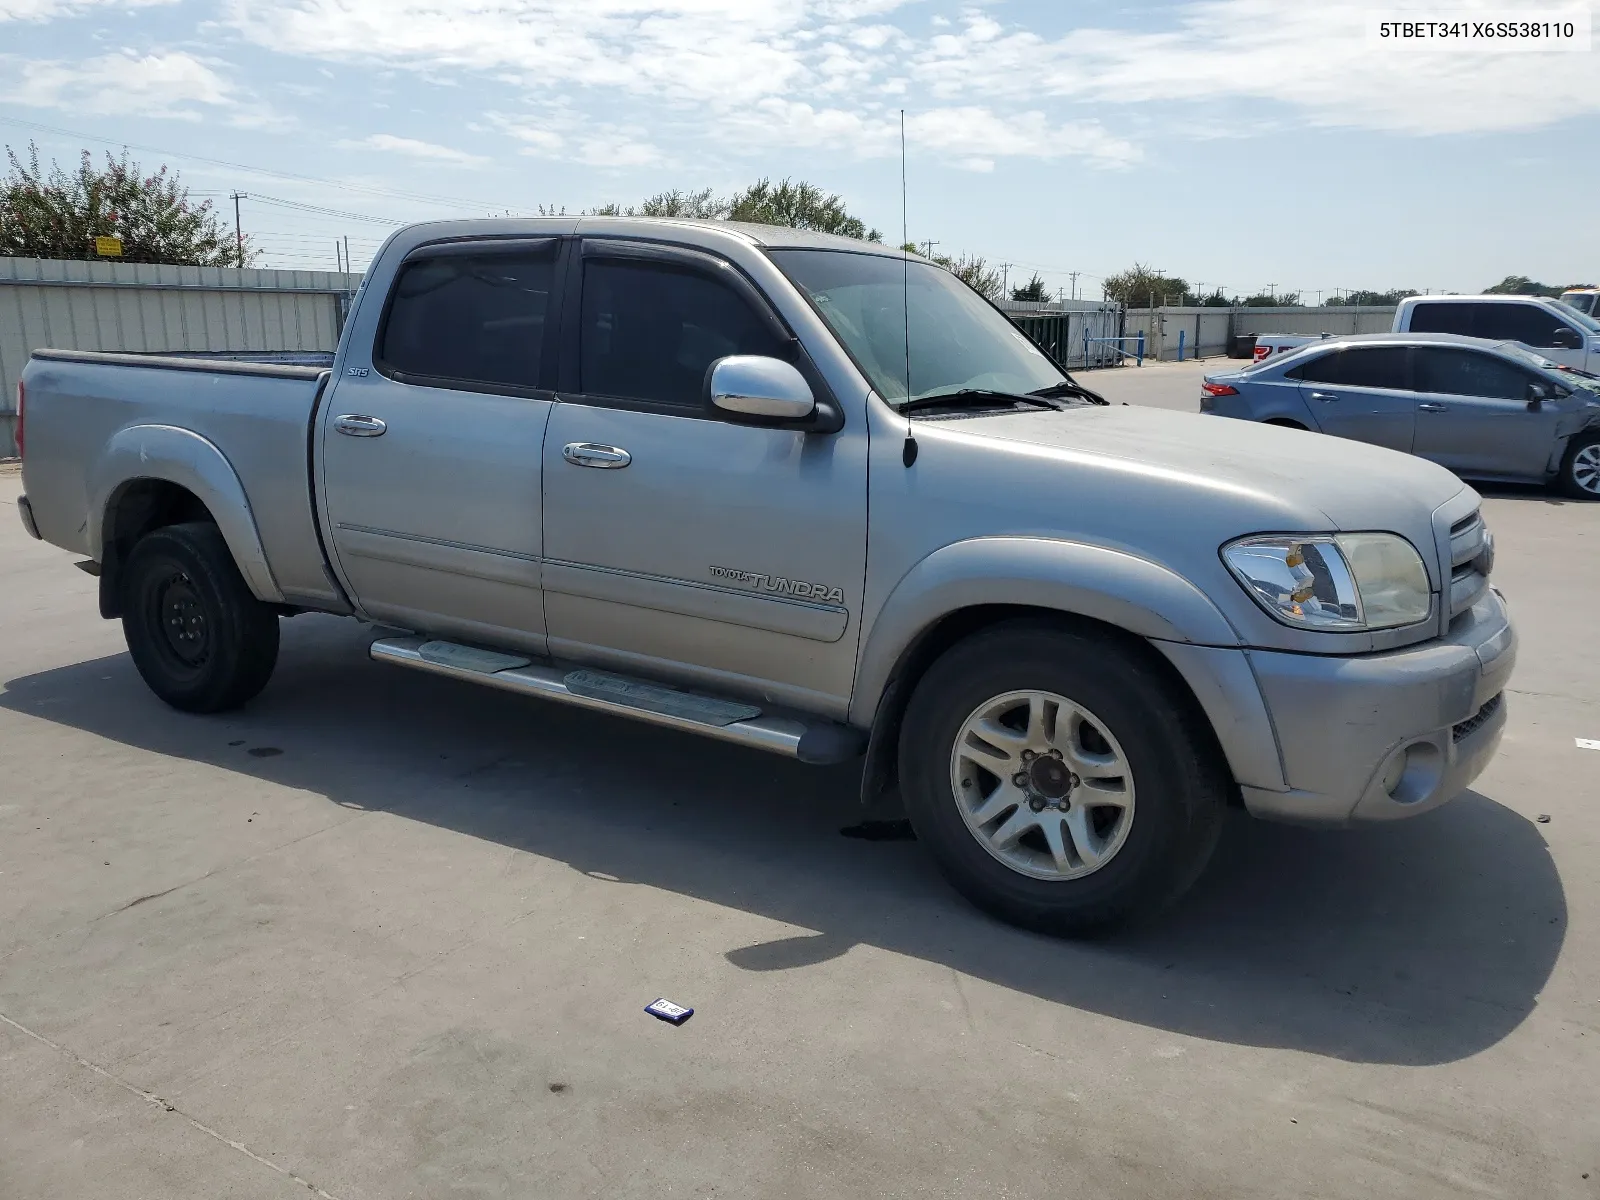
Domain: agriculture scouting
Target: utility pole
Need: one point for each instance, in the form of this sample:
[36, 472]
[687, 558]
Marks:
[1074, 275]
[1272, 291]
[238, 229]
[1005, 279]
[347, 253]
[930, 244]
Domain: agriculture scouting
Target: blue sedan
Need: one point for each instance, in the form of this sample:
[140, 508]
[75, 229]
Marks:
[1486, 410]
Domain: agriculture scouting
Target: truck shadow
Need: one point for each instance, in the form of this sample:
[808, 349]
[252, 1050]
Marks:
[1420, 943]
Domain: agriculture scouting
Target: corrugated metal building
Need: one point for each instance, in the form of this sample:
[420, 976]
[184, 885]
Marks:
[152, 308]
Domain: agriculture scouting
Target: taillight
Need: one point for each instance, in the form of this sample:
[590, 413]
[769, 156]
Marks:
[1218, 389]
[19, 418]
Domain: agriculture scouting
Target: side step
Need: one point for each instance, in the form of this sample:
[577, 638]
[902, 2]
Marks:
[810, 741]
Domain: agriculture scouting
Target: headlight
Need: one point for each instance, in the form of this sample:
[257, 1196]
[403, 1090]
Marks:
[1336, 582]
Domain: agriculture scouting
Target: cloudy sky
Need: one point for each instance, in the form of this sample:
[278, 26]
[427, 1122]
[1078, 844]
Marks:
[1244, 143]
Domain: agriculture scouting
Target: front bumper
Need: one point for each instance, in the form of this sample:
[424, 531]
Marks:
[1377, 737]
[25, 511]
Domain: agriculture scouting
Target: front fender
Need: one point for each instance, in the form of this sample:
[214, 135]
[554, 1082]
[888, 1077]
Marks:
[1121, 589]
[182, 457]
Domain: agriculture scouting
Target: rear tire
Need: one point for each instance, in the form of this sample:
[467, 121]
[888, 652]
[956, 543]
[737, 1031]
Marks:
[1130, 828]
[1580, 468]
[201, 641]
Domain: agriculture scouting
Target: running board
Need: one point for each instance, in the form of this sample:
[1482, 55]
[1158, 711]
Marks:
[810, 741]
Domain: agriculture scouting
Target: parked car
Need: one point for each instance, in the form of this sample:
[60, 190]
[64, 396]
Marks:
[1486, 410]
[725, 479]
[1563, 333]
[1585, 300]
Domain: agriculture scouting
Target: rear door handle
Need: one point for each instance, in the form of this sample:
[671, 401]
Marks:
[359, 425]
[1433, 408]
[1325, 397]
[592, 454]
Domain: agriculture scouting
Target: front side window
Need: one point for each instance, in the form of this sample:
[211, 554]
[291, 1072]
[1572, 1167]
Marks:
[469, 318]
[1468, 373]
[1530, 324]
[957, 340]
[650, 331]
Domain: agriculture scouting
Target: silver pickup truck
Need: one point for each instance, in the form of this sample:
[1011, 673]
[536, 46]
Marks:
[810, 496]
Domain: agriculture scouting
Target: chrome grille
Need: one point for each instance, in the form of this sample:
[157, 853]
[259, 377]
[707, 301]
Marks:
[1471, 560]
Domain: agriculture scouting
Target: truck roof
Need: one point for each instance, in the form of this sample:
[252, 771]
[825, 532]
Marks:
[772, 236]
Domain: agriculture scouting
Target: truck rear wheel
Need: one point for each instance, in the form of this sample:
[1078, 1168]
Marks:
[201, 641]
[1062, 782]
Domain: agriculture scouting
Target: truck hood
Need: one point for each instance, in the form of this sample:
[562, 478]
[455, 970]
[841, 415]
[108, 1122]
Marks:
[1289, 473]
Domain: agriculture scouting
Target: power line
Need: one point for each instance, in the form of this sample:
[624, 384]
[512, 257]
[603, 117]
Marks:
[394, 193]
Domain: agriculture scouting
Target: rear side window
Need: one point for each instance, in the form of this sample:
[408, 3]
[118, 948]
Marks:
[1358, 366]
[1530, 324]
[650, 331]
[1443, 318]
[1468, 373]
[476, 319]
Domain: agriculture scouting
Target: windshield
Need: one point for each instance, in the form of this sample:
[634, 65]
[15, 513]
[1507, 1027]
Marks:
[1533, 357]
[957, 340]
[1583, 319]
[1584, 302]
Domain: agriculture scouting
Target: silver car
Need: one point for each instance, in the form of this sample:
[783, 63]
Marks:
[1486, 410]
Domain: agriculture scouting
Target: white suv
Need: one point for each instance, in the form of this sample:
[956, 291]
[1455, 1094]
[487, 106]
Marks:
[1561, 333]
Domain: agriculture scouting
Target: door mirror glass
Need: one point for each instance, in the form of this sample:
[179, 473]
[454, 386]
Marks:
[752, 385]
[1538, 393]
[1566, 337]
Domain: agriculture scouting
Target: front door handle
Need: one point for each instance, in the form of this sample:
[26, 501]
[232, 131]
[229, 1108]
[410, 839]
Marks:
[592, 454]
[1433, 408]
[359, 425]
[1325, 397]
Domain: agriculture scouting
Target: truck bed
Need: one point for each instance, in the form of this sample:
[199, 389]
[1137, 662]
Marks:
[84, 407]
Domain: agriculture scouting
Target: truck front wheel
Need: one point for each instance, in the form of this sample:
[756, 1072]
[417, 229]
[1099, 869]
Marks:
[1061, 781]
[201, 641]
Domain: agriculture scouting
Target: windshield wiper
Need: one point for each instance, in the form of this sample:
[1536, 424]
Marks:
[1069, 388]
[973, 398]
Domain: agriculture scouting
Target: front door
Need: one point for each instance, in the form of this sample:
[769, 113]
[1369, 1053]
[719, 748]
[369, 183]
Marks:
[431, 458]
[1362, 393]
[726, 556]
[1473, 415]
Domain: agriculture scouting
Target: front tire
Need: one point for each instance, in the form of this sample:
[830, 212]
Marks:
[1580, 468]
[201, 641]
[1061, 780]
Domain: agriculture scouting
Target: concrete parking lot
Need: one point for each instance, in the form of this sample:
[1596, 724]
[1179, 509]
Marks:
[388, 935]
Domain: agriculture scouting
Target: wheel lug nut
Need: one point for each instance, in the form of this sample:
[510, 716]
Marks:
[1028, 756]
[1036, 804]
[1056, 754]
[1020, 779]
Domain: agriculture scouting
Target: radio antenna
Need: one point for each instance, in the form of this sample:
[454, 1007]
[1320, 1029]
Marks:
[908, 452]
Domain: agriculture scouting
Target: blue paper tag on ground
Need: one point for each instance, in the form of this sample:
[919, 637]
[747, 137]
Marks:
[666, 1010]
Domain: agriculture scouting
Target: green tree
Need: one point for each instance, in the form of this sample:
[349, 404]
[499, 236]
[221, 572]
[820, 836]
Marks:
[1521, 285]
[1272, 300]
[1359, 296]
[57, 214]
[1212, 300]
[797, 204]
[1033, 290]
[1142, 286]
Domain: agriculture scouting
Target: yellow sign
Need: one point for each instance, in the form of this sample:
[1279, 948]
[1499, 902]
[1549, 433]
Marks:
[108, 247]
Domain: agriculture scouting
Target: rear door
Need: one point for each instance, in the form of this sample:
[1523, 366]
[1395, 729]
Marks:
[430, 445]
[1362, 393]
[677, 544]
[1474, 415]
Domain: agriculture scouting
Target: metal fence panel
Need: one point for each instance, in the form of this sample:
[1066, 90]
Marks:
[1072, 332]
[159, 308]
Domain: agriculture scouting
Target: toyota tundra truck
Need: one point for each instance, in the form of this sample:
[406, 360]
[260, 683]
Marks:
[812, 496]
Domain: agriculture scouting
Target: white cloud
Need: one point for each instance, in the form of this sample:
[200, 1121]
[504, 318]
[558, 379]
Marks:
[1314, 58]
[49, 10]
[413, 148]
[154, 85]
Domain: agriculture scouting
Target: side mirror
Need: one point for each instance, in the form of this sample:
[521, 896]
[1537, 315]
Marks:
[1567, 338]
[754, 386]
[1538, 393]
